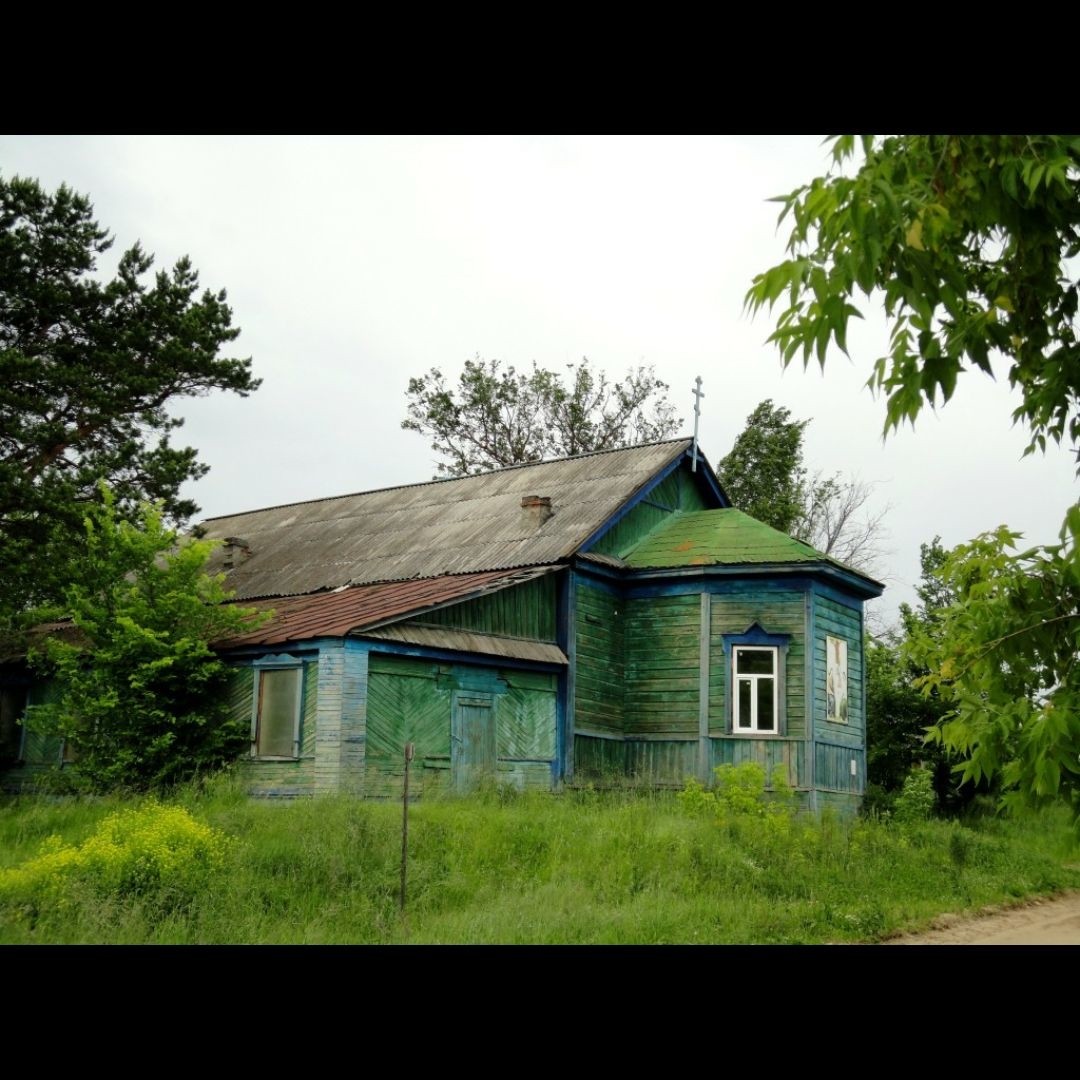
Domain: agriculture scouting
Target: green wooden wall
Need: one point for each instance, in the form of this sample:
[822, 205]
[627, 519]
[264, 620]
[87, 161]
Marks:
[599, 758]
[411, 700]
[37, 749]
[524, 611]
[601, 668]
[659, 685]
[837, 745]
[676, 493]
[776, 611]
[662, 674]
[789, 754]
[35, 754]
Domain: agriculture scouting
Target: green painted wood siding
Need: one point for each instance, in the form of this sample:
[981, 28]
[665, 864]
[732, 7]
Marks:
[599, 759]
[662, 643]
[677, 492]
[844, 805]
[777, 611]
[832, 619]
[524, 611]
[406, 703]
[789, 754]
[412, 701]
[600, 668]
[39, 749]
[840, 768]
[661, 762]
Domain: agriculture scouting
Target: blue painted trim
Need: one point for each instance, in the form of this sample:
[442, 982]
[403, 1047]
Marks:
[726, 585]
[564, 630]
[755, 634]
[865, 719]
[278, 660]
[602, 584]
[711, 484]
[307, 650]
[661, 506]
[845, 600]
[776, 570]
[564, 734]
[706, 473]
[811, 700]
[638, 583]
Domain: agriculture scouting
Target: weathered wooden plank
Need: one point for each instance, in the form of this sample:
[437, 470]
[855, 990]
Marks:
[787, 753]
[835, 771]
[525, 611]
[663, 763]
[599, 671]
[672, 493]
[525, 725]
[599, 758]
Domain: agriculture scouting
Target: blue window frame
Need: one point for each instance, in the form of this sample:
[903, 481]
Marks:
[755, 668]
[276, 708]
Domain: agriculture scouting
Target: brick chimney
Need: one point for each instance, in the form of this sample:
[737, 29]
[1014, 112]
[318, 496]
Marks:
[236, 551]
[539, 506]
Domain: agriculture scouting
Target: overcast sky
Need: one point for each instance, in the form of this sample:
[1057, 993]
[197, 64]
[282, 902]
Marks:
[354, 263]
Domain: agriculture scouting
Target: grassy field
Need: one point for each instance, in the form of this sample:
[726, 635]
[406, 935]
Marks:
[583, 867]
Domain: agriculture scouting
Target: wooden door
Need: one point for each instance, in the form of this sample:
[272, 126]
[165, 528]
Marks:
[472, 739]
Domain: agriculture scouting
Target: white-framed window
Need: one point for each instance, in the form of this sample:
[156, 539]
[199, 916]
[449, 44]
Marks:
[755, 682]
[275, 712]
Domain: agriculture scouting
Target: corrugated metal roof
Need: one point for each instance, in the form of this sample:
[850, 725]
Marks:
[723, 538]
[334, 614]
[460, 526]
[604, 560]
[441, 637]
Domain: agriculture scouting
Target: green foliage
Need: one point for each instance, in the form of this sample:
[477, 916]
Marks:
[740, 791]
[142, 702]
[1002, 657]
[88, 371]
[763, 474]
[153, 850]
[916, 799]
[898, 713]
[498, 416]
[589, 867]
[963, 238]
[967, 241]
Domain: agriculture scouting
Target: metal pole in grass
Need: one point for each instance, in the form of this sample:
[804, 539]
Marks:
[410, 750]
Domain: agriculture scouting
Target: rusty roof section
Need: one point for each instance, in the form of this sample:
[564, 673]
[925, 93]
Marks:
[460, 526]
[334, 614]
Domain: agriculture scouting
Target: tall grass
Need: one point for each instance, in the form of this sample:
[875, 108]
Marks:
[583, 867]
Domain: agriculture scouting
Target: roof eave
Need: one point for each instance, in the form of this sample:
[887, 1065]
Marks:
[866, 587]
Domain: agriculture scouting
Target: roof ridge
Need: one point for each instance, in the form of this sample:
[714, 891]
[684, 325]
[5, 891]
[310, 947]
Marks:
[453, 479]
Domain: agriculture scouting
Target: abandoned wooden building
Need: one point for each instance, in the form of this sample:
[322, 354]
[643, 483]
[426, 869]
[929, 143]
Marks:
[605, 614]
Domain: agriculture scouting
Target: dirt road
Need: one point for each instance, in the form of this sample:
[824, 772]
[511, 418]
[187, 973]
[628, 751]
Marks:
[1039, 922]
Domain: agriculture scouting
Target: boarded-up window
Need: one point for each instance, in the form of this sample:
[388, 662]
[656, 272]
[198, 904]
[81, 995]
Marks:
[276, 731]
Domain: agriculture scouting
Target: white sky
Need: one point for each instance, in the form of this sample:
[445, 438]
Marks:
[355, 263]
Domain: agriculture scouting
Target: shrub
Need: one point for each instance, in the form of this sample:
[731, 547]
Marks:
[142, 695]
[916, 799]
[740, 792]
[151, 850]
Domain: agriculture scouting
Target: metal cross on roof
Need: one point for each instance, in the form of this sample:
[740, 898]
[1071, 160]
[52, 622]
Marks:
[698, 395]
